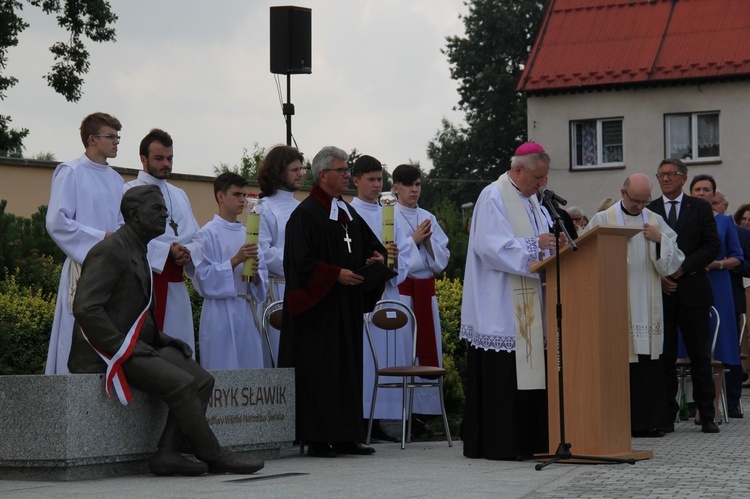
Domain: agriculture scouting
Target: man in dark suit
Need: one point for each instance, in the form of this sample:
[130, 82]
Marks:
[116, 332]
[687, 293]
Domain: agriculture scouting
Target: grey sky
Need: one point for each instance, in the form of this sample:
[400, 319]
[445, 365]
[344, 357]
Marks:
[200, 70]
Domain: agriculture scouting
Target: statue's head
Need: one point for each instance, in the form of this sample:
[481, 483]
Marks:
[144, 210]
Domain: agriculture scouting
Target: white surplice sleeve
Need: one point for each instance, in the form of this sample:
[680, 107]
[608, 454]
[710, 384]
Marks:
[268, 236]
[73, 237]
[670, 257]
[214, 275]
[493, 240]
[404, 256]
[439, 248]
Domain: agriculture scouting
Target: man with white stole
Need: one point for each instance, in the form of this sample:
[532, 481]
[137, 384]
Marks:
[651, 254]
[279, 177]
[502, 314]
[83, 209]
[429, 254]
[228, 335]
[179, 249]
[367, 176]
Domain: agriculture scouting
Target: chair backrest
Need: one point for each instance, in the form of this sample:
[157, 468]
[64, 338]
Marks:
[717, 320]
[272, 317]
[397, 319]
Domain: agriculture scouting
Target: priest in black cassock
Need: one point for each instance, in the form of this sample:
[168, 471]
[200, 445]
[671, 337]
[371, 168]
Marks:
[324, 301]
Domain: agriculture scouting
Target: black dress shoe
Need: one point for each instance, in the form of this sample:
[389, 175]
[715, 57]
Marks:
[735, 413]
[320, 449]
[650, 433]
[709, 426]
[354, 448]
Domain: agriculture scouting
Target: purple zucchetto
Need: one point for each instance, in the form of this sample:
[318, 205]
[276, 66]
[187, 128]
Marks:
[529, 148]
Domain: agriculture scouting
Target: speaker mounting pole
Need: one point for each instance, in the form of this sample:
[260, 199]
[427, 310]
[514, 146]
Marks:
[288, 109]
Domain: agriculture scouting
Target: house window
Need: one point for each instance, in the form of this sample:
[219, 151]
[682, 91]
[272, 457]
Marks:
[596, 143]
[693, 136]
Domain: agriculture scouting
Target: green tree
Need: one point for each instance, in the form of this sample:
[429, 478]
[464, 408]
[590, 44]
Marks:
[487, 62]
[23, 241]
[449, 218]
[44, 156]
[92, 19]
[248, 166]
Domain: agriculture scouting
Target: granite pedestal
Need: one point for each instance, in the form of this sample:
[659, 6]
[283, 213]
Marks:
[64, 427]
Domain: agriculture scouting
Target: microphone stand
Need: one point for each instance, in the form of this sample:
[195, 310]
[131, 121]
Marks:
[563, 449]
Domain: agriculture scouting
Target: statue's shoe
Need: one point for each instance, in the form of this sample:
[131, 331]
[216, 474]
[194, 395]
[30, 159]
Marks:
[232, 462]
[167, 463]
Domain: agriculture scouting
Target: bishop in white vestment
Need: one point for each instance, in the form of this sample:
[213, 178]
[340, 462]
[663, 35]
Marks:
[502, 314]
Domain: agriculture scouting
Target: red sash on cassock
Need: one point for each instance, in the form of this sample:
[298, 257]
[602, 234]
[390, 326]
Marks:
[171, 273]
[421, 292]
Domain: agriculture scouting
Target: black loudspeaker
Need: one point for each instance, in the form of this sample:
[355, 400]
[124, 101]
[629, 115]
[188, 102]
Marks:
[291, 40]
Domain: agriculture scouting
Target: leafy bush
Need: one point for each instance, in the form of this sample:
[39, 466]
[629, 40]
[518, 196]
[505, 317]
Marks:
[454, 226]
[25, 323]
[449, 293]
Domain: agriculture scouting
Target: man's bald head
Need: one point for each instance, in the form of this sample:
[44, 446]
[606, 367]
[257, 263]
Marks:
[636, 192]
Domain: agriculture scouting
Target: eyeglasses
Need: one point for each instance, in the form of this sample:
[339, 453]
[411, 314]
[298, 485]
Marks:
[668, 175]
[340, 171]
[638, 201]
[110, 136]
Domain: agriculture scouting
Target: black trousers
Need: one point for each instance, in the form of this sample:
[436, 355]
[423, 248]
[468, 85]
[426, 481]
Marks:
[694, 323]
[186, 388]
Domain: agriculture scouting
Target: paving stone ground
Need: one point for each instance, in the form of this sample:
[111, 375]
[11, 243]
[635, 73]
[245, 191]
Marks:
[686, 464]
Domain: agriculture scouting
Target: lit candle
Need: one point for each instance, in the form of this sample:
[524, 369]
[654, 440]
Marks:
[252, 227]
[388, 237]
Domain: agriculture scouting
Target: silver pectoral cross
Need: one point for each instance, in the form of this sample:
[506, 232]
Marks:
[347, 239]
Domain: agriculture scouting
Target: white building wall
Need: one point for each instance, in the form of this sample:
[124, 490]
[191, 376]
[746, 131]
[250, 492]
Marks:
[644, 147]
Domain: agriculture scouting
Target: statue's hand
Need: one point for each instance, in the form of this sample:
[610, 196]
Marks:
[182, 347]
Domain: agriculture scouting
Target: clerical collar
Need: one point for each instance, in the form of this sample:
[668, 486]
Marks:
[326, 201]
[519, 190]
[621, 219]
[622, 206]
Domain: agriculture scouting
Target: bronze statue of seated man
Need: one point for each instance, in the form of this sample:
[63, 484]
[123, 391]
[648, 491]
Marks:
[115, 332]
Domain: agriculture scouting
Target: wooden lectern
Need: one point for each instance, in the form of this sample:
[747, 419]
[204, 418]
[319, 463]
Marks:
[596, 377]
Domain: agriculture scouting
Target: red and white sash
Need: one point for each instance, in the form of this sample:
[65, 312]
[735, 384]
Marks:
[115, 375]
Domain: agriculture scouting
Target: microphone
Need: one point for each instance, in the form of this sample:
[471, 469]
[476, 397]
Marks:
[550, 194]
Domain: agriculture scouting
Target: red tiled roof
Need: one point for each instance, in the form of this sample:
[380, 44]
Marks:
[586, 43]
